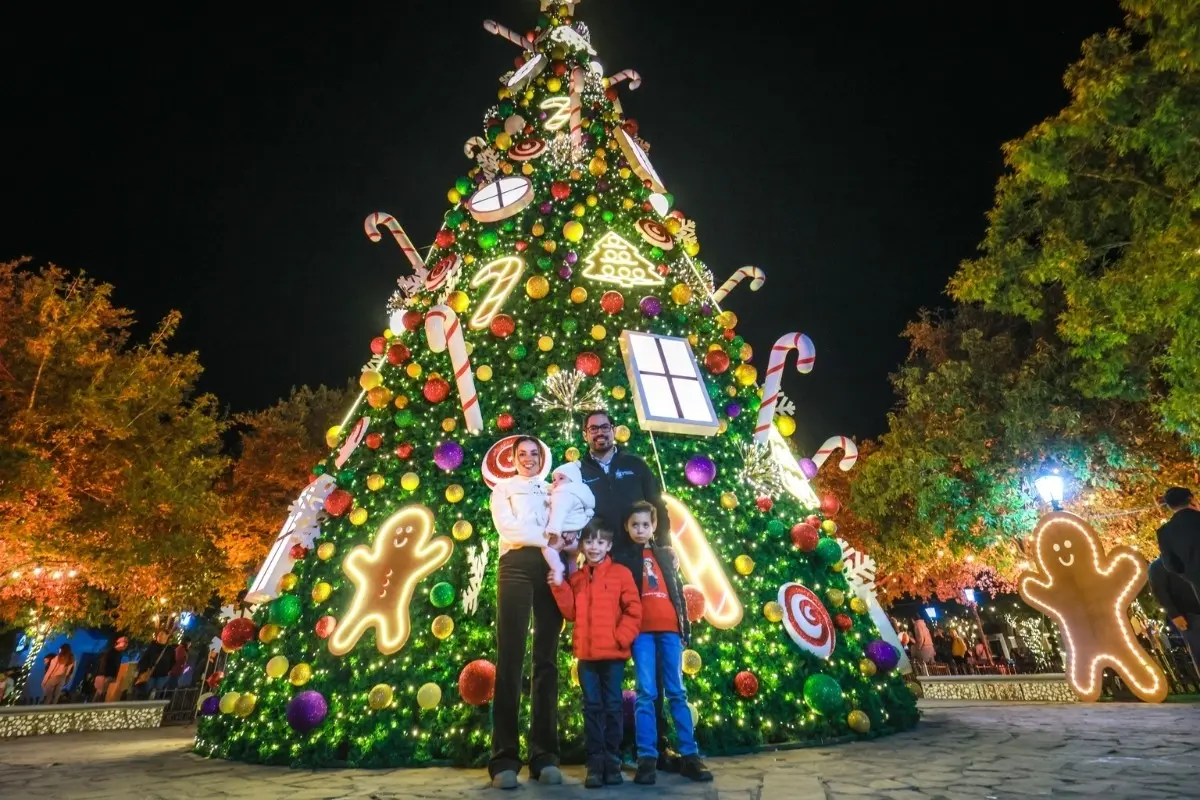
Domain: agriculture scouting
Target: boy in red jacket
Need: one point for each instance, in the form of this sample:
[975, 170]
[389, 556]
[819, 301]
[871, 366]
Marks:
[603, 602]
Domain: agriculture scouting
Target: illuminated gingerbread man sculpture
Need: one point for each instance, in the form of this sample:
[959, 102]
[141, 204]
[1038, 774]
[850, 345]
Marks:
[385, 576]
[1088, 592]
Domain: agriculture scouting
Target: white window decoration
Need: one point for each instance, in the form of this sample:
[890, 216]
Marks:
[302, 526]
[528, 71]
[501, 199]
[668, 387]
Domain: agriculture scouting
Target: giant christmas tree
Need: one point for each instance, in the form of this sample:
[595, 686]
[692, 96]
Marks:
[562, 280]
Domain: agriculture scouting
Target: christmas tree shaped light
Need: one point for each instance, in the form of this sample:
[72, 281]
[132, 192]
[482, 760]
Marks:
[562, 280]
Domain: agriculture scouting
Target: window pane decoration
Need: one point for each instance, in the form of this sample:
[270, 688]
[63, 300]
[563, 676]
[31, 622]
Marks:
[614, 260]
[668, 389]
[501, 198]
[639, 162]
[528, 71]
[302, 526]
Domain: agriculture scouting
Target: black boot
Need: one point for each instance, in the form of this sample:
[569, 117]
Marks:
[693, 768]
[612, 774]
[595, 775]
[647, 772]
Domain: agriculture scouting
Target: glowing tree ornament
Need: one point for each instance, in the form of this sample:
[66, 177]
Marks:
[668, 387]
[503, 274]
[700, 567]
[302, 526]
[614, 260]
[559, 111]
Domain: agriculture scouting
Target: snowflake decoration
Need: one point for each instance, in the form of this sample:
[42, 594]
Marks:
[784, 406]
[562, 393]
[562, 153]
[761, 470]
[489, 162]
[859, 569]
[478, 562]
[687, 232]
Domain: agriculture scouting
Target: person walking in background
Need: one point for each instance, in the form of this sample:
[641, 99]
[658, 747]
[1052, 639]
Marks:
[107, 668]
[180, 663]
[1179, 537]
[922, 643]
[1179, 600]
[59, 672]
[958, 649]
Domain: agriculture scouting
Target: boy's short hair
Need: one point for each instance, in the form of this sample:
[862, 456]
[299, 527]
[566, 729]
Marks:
[643, 507]
[593, 530]
[1177, 497]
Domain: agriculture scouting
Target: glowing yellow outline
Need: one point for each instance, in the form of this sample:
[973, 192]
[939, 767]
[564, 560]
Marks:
[700, 567]
[562, 112]
[596, 262]
[505, 272]
[1032, 589]
[391, 631]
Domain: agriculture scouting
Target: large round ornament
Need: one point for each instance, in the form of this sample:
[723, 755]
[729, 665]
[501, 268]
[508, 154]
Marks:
[277, 667]
[772, 611]
[716, 361]
[843, 622]
[300, 674]
[441, 595]
[835, 597]
[228, 702]
[210, 705]
[691, 662]
[325, 626]
[338, 502]
[694, 600]
[806, 620]
[436, 389]
[746, 683]
[245, 704]
[448, 455]
[237, 632]
[502, 326]
[269, 633]
[285, 610]
[822, 694]
[883, 654]
[462, 530]
[442, 626]
[830, 505]
[498, 462]
[744, 564]
[380, 696]
[858, 721]
[430, 694]
[612, 302]
[306, 711]
[867, 667]
[858, 605]
[325, 550]
[477, 682]
[588, 363]
[828, 551]
[700, 470]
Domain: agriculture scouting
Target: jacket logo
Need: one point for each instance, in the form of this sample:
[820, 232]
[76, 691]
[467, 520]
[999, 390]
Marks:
[591, 480]
[621, 473]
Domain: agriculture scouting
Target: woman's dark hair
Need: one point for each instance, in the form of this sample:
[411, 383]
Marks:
[521, 440]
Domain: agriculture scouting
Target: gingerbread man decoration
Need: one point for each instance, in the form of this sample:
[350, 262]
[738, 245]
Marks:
[1088, 591]
[385, 576]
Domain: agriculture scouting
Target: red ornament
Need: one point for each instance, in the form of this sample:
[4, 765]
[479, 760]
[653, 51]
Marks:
[398, 354]
[298, 551]
[728, 334]
[814, 520]
[214, 680]
[588, 364]
[631, 126]
[374, 441]
[805, 536]
[696, 604]
[560, 190]
[716, 361]
[746, 683]
[477, 682]
[842, 622]
[444, 238]
[338, 502]
[325, 626]
[505, 422]
[436, 389]
[765, 504]
[404, 451]
[560, 68]
[830, 505]
[663, 269]
[612, 302]
[378, 345]
[237, 632]
[611, 93]
[502, 326]
[413, 320]
[521, 245]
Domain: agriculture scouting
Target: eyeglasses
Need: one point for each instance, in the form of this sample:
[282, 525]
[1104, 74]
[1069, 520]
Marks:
[599, 428]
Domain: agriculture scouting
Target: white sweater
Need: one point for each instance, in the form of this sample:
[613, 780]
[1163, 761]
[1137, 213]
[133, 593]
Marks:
[571, 507]
[520, 512]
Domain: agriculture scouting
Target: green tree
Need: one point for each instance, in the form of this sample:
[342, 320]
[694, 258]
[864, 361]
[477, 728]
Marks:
[1094, 230]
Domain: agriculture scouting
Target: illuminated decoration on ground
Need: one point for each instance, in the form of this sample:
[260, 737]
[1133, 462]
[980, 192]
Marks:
[806, 620]
[700, 567]
[1088, 593]
[559, 110]
[859, 571]
[793, 479]
[302, 526]
[498, 462]
[668, 389]
[500, 199]
[385, 577]
[1044, 688]
[527, 72]
[44, 720]
[639, 162]
[503, 274]
[614, 260]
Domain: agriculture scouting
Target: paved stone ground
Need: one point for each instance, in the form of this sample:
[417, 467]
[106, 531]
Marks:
[961, 750]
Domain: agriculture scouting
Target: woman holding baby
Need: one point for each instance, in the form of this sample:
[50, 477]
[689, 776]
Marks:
[535, 523]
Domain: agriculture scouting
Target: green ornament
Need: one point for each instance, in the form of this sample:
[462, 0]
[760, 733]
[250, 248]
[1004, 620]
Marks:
[569, 325]
[464, 185]
[441, 595]
[714, 391]
[488, 239]
[670, 199]
[493, 132]
[656, 253]
[545, 263]
[518, 352]
[776, 527]
[526, 391]
[506, 108]
[345, 477]
[607, 216]
[250, 650]
[681, 317]
[828, 551]
[319, 469]
[754, 402]
[736, 343]
[597, 129]
[508, 226]
[823, 694]
[454, 217]
[404, 418]
[285, 609]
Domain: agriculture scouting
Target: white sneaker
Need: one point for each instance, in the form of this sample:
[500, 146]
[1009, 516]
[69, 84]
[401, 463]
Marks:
[505, 780]
[550, 776]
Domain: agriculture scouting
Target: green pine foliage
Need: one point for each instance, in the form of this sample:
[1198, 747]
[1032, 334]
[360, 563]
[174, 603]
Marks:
[561, 318]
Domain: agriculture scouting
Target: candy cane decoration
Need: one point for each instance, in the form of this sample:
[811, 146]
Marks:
[576, 105]
[443, 330]
[507, 33]
[758, 279]
[849, 452]
[371, 226]
[806, 356]
[635, 80]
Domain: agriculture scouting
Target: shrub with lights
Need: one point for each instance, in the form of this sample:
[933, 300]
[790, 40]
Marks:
[563, 280]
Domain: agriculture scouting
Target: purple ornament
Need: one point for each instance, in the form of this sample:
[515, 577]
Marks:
[306, 711]
[700, 470]
[210, 706]
[572, 256]
[706, 310]
[544, 116]
[545, 208]
[602, 185]
[564, 272]
[808, 467]
[733, 409]
[884, 655]
[448, 455]
[651, 306]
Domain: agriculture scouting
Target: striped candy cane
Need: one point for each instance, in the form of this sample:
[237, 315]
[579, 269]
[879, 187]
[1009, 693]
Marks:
[576, 105]
[474, 145]
[849, 452]
[635, 80]
[371, 226]
[507, 33]
[443, 330]
[759, 278]
[806, 356]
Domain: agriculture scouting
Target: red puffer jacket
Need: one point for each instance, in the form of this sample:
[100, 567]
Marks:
[605, 606]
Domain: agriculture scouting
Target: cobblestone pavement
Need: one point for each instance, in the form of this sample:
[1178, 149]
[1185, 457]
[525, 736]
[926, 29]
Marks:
[962, 750]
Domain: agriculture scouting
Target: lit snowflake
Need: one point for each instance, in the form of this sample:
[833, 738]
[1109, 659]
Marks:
[489, 161]
[687, 232]
[562, 153]
[696, 275]
[784, 406]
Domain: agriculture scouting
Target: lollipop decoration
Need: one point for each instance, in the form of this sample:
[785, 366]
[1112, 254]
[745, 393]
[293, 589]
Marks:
[849, 452]
[443, 331]
[806, 620]
[757, 279]
[498, 461]
[371, 226]
[806, 357]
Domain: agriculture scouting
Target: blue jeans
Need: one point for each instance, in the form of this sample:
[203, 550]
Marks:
[650, 652]
[602, 716]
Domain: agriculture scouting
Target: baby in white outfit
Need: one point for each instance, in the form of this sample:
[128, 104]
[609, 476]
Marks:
[572, 505]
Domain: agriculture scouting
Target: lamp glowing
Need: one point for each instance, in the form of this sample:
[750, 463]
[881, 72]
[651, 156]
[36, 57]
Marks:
[1050, 486]
[931, 612]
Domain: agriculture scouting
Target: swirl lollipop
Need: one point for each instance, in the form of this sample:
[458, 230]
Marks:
[498, 462]
[806, 620]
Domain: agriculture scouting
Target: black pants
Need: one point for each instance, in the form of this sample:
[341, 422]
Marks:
[603, 720]
[521, 588]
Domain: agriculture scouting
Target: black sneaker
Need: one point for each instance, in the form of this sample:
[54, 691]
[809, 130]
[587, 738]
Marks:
[647, 772]
[594, 779]
[693, 768]
[612, 774]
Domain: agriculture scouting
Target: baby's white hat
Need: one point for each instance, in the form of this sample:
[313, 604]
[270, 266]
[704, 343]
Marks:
[571, 471]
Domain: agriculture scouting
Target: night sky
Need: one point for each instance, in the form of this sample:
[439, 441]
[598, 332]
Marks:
[221, 162]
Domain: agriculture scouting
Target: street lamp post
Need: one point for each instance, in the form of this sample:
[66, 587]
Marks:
[1050, 487]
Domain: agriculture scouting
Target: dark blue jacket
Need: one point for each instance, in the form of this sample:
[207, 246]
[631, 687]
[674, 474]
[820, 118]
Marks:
[628, 480]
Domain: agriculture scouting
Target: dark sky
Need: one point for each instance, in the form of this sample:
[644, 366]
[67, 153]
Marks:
[221, 162]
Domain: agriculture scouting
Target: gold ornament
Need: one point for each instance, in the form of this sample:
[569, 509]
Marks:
[618, 392]
[622, 433]
[772, 611]
[428, 696]
[358, 516]
[380, 696]
[300, 674]
[229, 702]
[442, 626]
[786, 426]
[858, 721]
[277, 666]
[744, 564]
[459, 301]
[745, 374]
[867, 667]
[326, 550]
[245, 704]
[321, 591]
[691, 662]
[375, 481]
[409, 481]
[835, 597]
[462, 530]
[729, 501]
[578, 295]
[268, 633]
[572, 454]
[858, 605]
[455, 493]
[288, 582]
[484, 373]
[537, 287]
[545, 344]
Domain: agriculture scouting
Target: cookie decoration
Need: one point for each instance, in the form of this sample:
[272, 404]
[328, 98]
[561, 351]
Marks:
[655, 233]
[527, 150]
